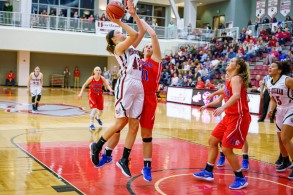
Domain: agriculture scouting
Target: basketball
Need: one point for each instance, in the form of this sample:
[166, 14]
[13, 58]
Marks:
[115, 8]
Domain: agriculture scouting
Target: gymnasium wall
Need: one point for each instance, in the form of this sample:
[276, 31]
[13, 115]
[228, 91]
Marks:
[56, 63]
[8, 60]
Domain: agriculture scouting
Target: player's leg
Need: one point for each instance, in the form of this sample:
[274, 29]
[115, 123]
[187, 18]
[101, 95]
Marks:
[221, 161]
[245, 161]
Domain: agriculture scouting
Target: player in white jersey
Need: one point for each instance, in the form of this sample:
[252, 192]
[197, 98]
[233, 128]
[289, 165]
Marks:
[129, 92]
[280, 88]
[34, 86]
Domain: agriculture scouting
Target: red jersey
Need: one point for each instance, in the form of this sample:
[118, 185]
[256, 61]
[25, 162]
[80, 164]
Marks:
[96, 87]
[239, 107]
[76, 73]
[10, 76]
[151, 74]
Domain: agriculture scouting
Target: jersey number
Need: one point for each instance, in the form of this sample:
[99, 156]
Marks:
[136, 65]
[277, 98]
[145, 75]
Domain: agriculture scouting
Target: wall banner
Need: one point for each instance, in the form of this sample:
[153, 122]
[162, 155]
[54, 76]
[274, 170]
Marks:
[285, 7]
[272, 7]
[260, 8]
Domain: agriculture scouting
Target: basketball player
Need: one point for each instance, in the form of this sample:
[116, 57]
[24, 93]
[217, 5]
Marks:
[280, 88]
[34, 86]
[233, 128]
[129, 90]
[221, 161]
[95, 95]
[151, 72]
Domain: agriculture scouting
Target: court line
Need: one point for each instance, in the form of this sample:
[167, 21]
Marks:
[43, 165]
[178, 175]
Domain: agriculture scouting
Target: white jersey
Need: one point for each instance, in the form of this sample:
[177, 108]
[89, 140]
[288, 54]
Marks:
[129, 63]
[36, 80]
[280, 92]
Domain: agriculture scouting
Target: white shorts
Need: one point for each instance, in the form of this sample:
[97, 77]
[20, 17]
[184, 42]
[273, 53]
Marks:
[284, 116]
[36, 91]
[129, 96]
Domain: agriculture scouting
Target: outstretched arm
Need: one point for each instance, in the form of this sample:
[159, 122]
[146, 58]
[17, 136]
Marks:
[106, 84]
[84, 85]
[157, 56]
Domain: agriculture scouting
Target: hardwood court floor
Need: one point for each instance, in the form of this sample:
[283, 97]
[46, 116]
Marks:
[47, 152]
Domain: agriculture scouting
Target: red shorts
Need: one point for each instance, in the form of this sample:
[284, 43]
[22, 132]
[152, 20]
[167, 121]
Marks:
[232, 130]
[96, 101]
[147, 118]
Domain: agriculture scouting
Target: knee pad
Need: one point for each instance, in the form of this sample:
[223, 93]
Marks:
[149, 139]
[33, 99]
[93, 112]
[118, 131]
[39, 98]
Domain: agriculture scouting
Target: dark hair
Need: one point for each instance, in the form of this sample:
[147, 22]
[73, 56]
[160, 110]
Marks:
[243, 71]
[285, 66]
[111, 45]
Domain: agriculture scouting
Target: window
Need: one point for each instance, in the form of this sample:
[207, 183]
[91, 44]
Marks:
[50, 2]
[87, 4]
[35, 8]
[159, 11]
[35, 1]
[144, 9]
[69, 3]
[86, 13]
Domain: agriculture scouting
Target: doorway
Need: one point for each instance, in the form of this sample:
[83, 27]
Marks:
[218, 21]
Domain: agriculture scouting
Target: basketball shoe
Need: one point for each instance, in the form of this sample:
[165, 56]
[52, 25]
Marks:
[285, 165]
[92, 127]
[94, 153]
[239, 183]
[279, 161]
[99, 121]
[123, 165]
[204, 175]
[221, 161]
[245, 164]
[147, 174]
[104, 160]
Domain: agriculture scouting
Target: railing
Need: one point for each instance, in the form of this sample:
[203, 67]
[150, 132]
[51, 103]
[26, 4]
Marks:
[256, 29]
[40, 21]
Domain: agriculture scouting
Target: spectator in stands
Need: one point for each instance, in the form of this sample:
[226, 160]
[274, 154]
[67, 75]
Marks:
[221, 26]
[209, 85]
[204, 73]
[272, 57]
[209, 26]
[180, 81]
[190, 83]
[61, 20]
[272, 43]
[288, 18]
[278, 47]
[149, 21]
[273, 20]
[43, 18]
[268, 29]
[275, 30]
[91, 23]
[200, 84]
[154, 23]
[250, 52]
[256, 83]
[289, 56]
[107, 76]
[171, 29]
[75, 19]
[97, 17]
[76, 74]
[231, 54]
[185, 82]
[66, 77]
[103, 17]
[286, 36]
[239, 54]
[265, 20]
[10, 78]
[196, 74]
[52, 19]
[174, 80]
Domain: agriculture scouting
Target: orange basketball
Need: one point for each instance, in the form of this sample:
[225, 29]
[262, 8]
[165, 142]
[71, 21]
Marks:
[115, 8]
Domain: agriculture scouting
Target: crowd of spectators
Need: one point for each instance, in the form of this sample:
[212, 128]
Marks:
[204, 66]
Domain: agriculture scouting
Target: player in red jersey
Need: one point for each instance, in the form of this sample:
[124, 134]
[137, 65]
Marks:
[151, 72]
[233, 128]
[95, 95]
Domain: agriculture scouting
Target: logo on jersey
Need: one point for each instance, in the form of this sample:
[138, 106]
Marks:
[59, 110]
